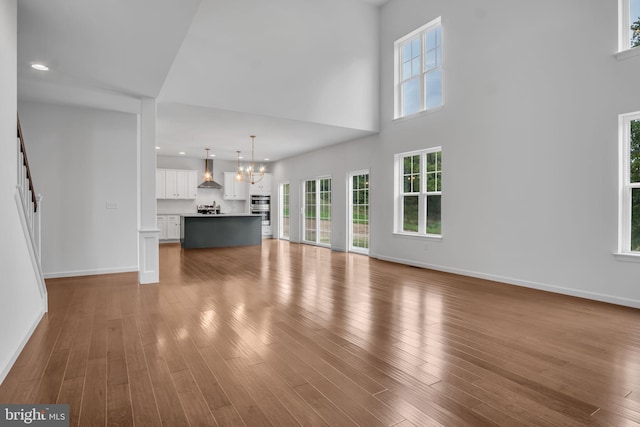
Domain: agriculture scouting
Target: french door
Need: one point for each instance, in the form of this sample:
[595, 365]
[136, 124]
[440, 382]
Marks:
[284, 217]
[359, 212]
[316, 200]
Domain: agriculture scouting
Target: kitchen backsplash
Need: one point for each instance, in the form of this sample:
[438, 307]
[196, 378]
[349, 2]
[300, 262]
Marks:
[205, 197]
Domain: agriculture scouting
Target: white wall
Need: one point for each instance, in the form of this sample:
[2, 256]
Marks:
[83, 158]
[21, 306]
[529, 138]
[206, 196]
[329, 48]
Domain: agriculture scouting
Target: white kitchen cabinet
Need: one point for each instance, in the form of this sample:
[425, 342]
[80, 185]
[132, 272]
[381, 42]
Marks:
[263, 187]
[173, 227]
[162, 225]
[169, 226]
[192, 185]
[176, 184]
[234, 190]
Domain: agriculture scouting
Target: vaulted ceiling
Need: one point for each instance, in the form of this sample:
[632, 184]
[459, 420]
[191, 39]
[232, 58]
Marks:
[299, 74]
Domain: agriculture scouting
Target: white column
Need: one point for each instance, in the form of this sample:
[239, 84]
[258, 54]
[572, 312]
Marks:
[148, 232]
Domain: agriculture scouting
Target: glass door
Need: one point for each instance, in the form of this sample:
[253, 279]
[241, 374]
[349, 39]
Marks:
[316, 223]
[359, 212]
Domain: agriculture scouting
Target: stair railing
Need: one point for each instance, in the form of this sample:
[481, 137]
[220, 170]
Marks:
[29, 200]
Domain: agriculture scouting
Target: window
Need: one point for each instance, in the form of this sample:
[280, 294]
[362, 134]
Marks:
[317, 211]
[630, 183]
[418, 70]
[284, 220]
[629, 24]
[359, 212]
[419, 192]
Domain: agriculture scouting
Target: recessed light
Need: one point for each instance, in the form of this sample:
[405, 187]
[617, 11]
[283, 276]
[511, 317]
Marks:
[240, 157]
[157, 148]
[182, 153]
[40, 67]
[266, 160]
[212, 155]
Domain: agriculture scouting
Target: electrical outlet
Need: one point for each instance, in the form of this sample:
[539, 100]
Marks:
[112, 204]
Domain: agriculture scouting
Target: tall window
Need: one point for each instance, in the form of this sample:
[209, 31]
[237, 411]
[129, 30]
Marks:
[630, 180]
[285, 227]
[324, 203]
[317, 211]
[359, 211]
[629, 24]
[418, 70]
[419, 190]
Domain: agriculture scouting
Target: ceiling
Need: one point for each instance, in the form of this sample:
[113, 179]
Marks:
[298, 74]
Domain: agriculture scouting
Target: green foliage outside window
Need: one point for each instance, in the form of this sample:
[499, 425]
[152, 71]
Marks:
[635, 35]
[634, 175]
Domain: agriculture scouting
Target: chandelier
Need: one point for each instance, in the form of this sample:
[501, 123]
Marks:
[249, 173]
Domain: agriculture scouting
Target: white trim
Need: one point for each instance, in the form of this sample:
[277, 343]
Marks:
[627, 256]
[94, 272]
[623, 19]
[281, 209]
[29, 238]
[148, 256]
[517, 282]
[409, 235]
[397, 78]
[422, 194]
[349, 245]
[626, 54]
[317, 201]
[12, 360]
[624, 184]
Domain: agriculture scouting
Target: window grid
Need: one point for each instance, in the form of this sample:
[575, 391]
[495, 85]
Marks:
[310, 223]
[285, 219]
[324, 230]
[420, 204]
[629, 24]
[630, 203]
[419, 73]
[360, 212]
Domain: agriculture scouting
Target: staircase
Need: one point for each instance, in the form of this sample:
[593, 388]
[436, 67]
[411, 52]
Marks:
[29, 206]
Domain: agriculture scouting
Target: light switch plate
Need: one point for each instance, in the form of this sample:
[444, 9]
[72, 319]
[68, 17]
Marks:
[112, 204]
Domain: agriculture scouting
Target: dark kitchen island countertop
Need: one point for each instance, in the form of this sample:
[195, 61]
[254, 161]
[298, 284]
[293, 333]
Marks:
[219, 231]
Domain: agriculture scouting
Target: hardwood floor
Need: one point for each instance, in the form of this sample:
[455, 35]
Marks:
[288, 334]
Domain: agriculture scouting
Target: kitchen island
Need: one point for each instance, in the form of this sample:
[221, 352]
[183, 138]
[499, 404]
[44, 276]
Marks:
[219, 231]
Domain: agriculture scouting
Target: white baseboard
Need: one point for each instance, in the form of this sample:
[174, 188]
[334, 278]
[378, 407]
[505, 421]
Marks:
[517, 282]
[95, 272]
[5, 369]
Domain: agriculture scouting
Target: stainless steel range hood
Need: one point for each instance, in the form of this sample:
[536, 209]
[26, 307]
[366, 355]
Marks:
[208, 181]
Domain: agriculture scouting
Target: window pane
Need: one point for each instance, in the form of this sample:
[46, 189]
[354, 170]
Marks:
[634, 22]
[431, 162]
[406, 52]
[635, 219]
[406, 70]
[430, 60]
[434, 225]
[416, 69]
[439, 181]
[431, 181]
[415, 47]
[431, 40]
[410, 97]
[433, 88]
[634, 155]
[411, 176]
[410, 213]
